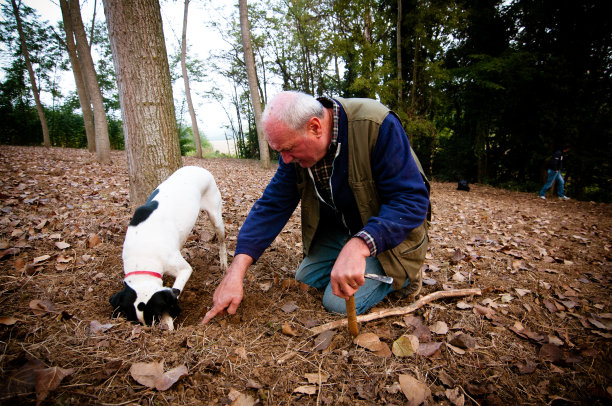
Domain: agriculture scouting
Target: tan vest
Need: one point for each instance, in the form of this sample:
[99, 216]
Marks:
[364, 118]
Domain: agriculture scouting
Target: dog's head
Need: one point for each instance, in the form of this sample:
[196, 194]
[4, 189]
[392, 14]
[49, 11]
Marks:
[147, 306]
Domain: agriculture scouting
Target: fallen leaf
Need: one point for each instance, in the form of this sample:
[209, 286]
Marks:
[323, 340]
[41, 258]
[463, 341]
[19, 264]
[368, 341]
[93, 240]
[289, 307]
[288, 330]
[405, 346]
[527, 367]
[527, 333]
[522, 292]
[9, 251]
[151, 374]
[550, 352]
[439, 328]
[317, 378]
[147, 373]
[463, 305]
[8, 321]
[455, 349]
[446, 379]
[484, 311]
[415, 391]
[170, 377]
[62, 245]
[458, 277]
[455, 397]
[23, 380]
[49, 379]
[40, 307]
[96, 327]
[372, 342]
[429, 350]
[63, 259]
[306, 390]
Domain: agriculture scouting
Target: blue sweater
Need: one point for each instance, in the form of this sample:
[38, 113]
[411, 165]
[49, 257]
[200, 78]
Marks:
[403, 195]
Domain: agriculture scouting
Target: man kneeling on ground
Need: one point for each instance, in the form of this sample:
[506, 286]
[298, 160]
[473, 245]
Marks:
[365, 201]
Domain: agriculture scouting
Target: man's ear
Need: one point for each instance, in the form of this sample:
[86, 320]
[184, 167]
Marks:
[315, 127]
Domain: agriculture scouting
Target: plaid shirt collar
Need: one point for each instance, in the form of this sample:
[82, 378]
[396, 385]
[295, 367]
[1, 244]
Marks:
[321, 171]
[330, 103]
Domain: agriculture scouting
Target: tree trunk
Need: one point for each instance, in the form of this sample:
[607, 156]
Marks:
[398, 45]
[26, 57]
[194, 122]
[145, 93]
[78, 78]
[249, 60]
[91, 80]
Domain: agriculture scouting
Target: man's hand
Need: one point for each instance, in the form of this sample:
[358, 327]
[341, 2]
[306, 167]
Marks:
[228, 295]
[348, 270]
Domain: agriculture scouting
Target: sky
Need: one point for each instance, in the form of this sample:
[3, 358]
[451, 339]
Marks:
[201, 40]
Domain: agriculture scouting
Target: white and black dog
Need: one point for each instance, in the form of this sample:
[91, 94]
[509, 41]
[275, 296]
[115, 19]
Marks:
[153, 243]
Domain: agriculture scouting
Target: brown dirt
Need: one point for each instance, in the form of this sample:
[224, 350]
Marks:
[546, 343]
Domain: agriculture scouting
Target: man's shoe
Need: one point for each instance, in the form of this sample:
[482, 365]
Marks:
[542, 197]
[564, 198]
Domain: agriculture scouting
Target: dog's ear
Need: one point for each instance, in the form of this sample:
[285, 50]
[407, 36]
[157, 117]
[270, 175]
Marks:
[176, 292]
[123, 302]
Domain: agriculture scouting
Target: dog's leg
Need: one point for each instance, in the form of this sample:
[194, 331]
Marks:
[181, 271]
[213, 206]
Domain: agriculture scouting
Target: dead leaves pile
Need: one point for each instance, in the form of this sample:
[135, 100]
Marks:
[539, 334]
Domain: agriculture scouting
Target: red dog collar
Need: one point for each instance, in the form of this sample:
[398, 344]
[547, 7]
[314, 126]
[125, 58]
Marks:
[157, 275]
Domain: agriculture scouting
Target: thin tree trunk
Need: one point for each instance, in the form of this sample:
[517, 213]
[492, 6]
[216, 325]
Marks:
[78, 78]
[414, 76]
[249, 60]
[145, 93]
[91, 79]
[35, 91]
[398, 44]
[93, 24]
[194, 122]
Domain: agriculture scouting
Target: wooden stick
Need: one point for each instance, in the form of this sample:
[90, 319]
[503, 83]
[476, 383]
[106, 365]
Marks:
[351, 316]
[399, 311]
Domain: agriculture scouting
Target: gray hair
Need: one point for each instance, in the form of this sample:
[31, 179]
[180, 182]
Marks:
[293, 108]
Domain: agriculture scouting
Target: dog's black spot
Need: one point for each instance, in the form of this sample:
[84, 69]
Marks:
[164, 301]
[463, 185]
[143, 212]
[123, 303]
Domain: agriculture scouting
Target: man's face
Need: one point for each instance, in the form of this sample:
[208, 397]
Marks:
[302, 147]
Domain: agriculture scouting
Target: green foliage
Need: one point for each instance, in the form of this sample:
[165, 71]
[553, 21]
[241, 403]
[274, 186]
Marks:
[485, 89]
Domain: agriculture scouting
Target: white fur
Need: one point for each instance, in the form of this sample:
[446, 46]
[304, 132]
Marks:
[155, 244]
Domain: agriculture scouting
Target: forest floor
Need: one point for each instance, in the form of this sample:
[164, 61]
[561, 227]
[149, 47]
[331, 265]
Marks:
[539, 334]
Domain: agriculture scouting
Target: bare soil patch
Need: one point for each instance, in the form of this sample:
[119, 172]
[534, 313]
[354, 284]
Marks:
[539, 334]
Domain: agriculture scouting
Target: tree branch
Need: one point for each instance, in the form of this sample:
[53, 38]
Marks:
[399, 311]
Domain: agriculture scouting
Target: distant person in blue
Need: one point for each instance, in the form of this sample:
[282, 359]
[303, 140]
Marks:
[554, 175]
[364, 201]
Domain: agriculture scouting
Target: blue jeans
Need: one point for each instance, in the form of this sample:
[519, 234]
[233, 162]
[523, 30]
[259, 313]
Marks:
[552, 177]
[315, 271]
